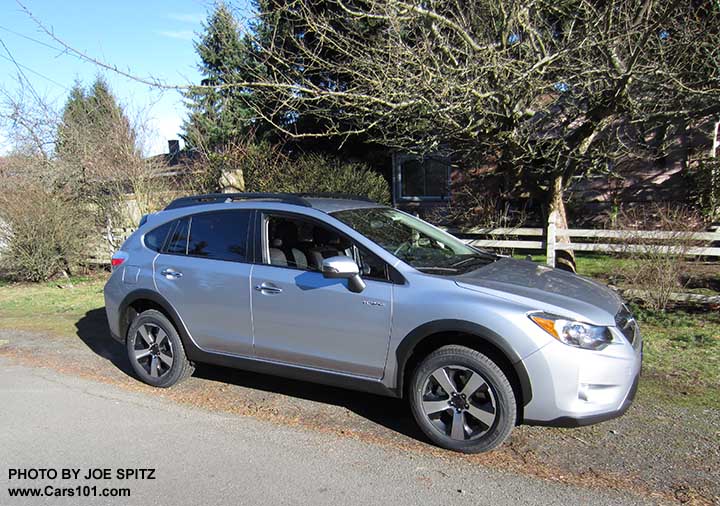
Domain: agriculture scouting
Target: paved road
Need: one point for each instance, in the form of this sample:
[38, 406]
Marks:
[51, 420]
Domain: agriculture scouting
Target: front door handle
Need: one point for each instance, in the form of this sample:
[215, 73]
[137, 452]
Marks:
[171, 273]
[268, 288]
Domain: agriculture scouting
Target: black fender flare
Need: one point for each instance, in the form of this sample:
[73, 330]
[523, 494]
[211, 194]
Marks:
[407, 346]
[156, 298]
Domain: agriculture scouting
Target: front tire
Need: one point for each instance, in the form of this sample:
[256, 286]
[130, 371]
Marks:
[462, 400]
[155, 350]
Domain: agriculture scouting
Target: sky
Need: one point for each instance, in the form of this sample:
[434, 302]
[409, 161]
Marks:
[151, 38]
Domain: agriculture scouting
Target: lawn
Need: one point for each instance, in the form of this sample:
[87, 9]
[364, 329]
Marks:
[682, 347]
[52, 307]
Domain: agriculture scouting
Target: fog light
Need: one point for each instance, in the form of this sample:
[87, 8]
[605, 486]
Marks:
[583, 391]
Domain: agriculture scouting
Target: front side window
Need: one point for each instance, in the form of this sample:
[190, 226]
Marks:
[304, 244]
[415, 242]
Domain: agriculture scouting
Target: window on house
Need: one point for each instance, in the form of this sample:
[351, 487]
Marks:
[423, 177]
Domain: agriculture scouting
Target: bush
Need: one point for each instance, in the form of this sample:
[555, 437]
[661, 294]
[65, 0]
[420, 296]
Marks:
[659, 267]
[264, 167]
[321, 173]
[42, 234]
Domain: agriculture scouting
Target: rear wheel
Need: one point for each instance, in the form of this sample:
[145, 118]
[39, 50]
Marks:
[462, 400]
[155, 350]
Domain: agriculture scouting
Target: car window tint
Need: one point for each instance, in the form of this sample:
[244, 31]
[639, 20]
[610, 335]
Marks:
[156, 238]
[177, 244]
[372, 266]
[220, 236]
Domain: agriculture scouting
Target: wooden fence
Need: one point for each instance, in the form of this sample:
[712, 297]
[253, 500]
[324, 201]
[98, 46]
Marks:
[705, 244]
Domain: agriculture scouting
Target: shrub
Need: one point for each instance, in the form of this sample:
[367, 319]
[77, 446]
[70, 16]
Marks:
[322, 173]
[656, 266]
[42, 234]
[263, 167]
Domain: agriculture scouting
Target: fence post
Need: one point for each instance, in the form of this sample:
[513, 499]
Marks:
[551, 238]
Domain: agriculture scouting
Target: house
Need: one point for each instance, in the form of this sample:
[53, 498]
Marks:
[428, 185]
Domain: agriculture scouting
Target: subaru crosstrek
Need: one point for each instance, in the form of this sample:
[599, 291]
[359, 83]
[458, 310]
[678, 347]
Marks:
[347, 292]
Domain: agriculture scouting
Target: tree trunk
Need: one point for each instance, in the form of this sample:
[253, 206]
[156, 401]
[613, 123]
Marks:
[564, 259]
[232, 181]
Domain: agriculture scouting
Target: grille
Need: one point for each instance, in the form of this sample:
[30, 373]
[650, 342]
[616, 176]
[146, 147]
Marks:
[626, 323]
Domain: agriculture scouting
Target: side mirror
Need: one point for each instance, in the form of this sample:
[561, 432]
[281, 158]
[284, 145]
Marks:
[342, 267]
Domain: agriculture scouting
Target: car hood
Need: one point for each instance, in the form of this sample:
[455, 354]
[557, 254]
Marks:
[546, 289]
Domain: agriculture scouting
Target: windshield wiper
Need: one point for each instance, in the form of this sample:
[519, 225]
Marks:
[477, 256]
[433, 268]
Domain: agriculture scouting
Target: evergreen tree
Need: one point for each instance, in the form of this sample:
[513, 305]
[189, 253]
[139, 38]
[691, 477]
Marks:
[218, 114]
[95, 140]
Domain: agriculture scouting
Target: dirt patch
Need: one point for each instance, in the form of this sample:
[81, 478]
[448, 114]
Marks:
[660, 451]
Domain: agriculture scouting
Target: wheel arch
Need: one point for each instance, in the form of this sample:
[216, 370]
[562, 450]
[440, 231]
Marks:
[141, 300]
[432, 335]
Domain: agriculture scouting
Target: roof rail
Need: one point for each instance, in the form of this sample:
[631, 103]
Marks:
[219, 198]
[332, 195]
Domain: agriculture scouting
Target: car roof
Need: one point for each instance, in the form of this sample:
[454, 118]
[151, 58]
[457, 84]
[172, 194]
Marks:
[331, 205]
[327, 203]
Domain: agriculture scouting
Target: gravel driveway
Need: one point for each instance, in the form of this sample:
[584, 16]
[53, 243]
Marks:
[198, 456]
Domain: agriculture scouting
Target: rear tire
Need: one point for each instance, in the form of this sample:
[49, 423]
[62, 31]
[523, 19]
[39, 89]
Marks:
[155, 350]
[462, 400]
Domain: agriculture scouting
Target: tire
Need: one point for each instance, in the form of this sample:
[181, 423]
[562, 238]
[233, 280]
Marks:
[155, 350]
[478, 415]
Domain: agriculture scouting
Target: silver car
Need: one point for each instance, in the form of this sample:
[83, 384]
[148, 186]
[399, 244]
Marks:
[348, 292]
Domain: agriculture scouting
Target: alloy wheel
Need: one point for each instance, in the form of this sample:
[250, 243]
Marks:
[153, 350]
[459, 402]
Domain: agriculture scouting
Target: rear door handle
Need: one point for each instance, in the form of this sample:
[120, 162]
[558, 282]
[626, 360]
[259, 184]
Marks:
[268, 288]
[171, 273]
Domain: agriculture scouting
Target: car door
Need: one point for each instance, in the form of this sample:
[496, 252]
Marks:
[204, 272]
[304, 319]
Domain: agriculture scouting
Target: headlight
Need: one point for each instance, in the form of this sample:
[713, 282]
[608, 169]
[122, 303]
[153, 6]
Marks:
[573, 333]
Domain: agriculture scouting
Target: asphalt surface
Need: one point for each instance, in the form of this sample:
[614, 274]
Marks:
[53, 420]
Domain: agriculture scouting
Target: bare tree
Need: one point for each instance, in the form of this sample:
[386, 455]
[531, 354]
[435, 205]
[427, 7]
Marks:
[546, 90]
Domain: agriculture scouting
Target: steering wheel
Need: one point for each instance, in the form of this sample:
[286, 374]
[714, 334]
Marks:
[403, 246]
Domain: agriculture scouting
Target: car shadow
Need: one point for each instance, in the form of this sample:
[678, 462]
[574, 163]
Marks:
[93, 330]
[394, 414]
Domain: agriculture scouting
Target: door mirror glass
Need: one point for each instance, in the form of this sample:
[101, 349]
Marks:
[342, 267]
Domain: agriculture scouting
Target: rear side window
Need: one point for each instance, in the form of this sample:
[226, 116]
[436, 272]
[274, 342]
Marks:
[177, 243]
[220, 235]
[155, 239]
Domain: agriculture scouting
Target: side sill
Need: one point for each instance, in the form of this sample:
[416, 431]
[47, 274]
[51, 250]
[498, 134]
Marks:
[372, 386]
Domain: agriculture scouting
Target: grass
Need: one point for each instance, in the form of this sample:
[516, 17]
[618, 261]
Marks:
[682, 348]
[593, 265]
[49, 307]
[682, 356]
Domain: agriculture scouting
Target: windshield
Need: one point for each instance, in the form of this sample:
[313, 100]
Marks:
[415, 242]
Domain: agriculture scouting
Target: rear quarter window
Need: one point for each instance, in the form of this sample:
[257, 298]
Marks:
[155, 239]
[177, 242]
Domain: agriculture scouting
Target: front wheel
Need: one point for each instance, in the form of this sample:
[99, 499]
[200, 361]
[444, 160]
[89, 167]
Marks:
[462, 400]
[155, 350]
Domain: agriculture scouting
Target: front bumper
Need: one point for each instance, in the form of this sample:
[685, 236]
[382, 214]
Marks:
[573, 387]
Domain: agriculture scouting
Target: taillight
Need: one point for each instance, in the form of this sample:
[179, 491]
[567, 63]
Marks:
[118, 258]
